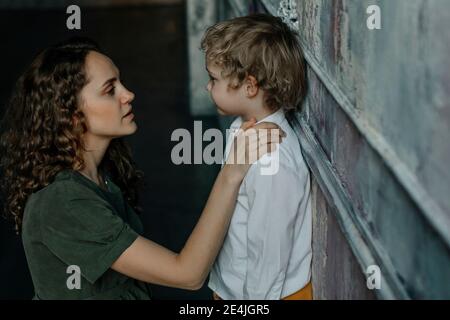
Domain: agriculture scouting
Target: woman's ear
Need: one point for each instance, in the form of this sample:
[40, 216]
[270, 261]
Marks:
[251, 86]
[75, 121]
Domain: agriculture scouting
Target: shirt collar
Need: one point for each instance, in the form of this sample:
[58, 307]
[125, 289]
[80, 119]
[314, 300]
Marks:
[277, 117]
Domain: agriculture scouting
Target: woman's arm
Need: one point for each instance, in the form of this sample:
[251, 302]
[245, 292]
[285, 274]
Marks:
[147, 261]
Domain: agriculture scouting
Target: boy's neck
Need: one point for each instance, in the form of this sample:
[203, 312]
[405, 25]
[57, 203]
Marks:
[259, 114]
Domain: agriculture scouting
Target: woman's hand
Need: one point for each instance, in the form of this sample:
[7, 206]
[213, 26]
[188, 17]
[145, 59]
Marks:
[251, 142]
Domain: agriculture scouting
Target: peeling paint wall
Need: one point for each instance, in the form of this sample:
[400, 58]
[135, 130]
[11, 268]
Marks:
[396, 79]
[336, 272]
[379, 108]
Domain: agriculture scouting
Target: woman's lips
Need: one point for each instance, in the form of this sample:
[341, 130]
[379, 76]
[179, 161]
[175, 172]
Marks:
[129, 115]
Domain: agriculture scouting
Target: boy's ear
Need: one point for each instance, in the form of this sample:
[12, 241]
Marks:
[251, 86]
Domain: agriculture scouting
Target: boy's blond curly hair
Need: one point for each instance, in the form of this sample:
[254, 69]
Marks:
[264, 47]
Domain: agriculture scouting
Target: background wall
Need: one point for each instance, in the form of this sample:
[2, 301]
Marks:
[376, 122]
[148, 44]
[33, 4]
[200, 15]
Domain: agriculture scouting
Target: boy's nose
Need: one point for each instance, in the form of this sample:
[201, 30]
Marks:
[208, 86]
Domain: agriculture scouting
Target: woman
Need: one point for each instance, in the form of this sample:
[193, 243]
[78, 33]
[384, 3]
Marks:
[71, 184]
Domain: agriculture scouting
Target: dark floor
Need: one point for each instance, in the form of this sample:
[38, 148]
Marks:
[148, 44]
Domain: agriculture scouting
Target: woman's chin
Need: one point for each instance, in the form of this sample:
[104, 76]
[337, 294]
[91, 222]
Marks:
[130, 129]
[134, 127]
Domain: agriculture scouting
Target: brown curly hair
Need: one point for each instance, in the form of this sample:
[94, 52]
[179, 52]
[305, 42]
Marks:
[39, 134]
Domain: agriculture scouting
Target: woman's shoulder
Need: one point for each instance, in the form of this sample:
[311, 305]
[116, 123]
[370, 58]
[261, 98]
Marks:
[68, 200]
[61, 193]
[65, 186]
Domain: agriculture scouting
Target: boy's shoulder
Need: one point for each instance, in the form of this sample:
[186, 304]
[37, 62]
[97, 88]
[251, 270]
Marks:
[289, 154]
[236, 123]
[289, 150]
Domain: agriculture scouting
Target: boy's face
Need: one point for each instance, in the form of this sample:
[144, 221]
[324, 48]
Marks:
[229, 101]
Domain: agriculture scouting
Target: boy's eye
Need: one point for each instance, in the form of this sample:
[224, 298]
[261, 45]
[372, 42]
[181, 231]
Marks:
[111, 91]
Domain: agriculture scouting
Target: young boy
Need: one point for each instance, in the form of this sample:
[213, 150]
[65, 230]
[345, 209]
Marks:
[257, 70]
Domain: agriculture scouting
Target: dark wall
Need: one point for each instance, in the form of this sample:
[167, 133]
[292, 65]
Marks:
[148, 44]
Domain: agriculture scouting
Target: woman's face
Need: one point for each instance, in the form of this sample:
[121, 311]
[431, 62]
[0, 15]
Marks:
[105, 102]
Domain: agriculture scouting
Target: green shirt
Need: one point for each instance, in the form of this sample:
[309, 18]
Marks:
[74, 222]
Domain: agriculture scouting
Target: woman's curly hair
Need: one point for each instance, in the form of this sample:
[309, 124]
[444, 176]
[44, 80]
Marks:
[41, 132]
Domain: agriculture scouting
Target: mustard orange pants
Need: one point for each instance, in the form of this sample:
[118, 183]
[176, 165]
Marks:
[303, 294]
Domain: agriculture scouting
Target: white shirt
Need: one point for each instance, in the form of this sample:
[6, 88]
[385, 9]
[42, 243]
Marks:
[267, 250]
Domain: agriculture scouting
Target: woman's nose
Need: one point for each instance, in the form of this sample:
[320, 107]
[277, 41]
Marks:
[128, 96]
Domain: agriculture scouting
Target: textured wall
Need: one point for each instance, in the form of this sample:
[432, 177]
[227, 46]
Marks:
[378, 108]
[336, 273]
[200, 15]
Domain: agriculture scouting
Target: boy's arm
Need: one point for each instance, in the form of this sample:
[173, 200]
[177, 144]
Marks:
[274, 201]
